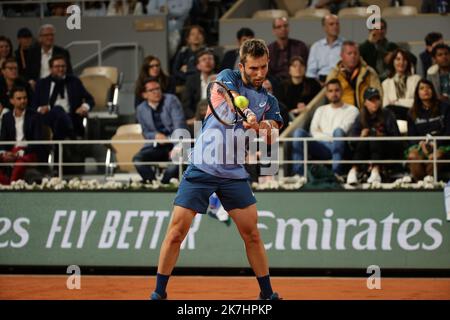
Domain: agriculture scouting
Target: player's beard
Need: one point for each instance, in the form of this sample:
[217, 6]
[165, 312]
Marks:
[248, 81]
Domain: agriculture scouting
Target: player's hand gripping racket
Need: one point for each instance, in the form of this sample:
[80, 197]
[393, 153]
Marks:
[225, 107]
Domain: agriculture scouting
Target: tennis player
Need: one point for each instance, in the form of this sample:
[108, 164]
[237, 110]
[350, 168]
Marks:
[228, 180]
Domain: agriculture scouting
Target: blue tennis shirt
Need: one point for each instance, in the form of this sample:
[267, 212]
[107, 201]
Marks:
[219, 149]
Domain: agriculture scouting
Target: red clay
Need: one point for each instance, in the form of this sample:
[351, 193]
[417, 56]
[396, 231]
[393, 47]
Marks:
[220, 288]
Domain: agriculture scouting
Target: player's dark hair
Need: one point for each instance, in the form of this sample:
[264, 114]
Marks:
[253, 47]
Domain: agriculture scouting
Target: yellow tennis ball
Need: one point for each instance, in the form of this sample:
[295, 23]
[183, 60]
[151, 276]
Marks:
[241, 102]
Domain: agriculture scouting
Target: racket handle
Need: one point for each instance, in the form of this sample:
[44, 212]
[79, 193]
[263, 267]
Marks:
[247, 112]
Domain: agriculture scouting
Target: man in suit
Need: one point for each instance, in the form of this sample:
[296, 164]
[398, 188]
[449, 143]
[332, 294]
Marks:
[62, 100]
[231, 57]
[195, 88]
[159, 116]
[38, 56]
[20, 125]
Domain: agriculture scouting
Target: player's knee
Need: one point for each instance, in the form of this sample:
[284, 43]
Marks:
[175, 236]
[251, 236]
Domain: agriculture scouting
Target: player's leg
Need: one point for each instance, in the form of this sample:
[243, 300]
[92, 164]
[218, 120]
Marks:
[170, 250]
[238, 200]
[176, 232]
[246, 222]
[192, 197]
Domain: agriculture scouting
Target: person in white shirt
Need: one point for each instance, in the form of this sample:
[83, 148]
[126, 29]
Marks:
[399, 87]
[325, 53]
[331, 120]
[196, 84]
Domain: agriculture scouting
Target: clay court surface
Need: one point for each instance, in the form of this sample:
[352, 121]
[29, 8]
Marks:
[220, 288]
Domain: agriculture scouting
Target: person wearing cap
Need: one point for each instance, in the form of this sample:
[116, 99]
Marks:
[25, 41]
[373, 121]
[354, 75]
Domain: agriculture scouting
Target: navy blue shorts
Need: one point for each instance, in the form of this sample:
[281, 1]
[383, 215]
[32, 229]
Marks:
[197, 186]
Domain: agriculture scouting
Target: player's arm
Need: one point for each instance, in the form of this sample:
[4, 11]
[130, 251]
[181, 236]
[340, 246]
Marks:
[272, 121]
[230, 79]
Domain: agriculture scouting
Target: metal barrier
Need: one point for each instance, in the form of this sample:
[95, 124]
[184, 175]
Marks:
[108, 163]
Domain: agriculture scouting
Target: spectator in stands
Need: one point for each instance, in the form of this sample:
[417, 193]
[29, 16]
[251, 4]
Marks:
[284, 112]
[58, 9]
[124, 8]
[20, 125]
[428, 116]
[333, 5]
[297, 91]
[25, 41]
[377, 49]
[62, 100]
[159, 116]
[177, 14]
[8, 80]
[324, 54]
[231, 58]
[435, 6]
[331, 120]
[399, 87]
[6, 49]
[94, 9]
[354, 75]
[195, 89]
[184, 62]
[38, 56]
[281, 50]
[431, 40]
[151, 67]
[439, 74]
[21, 10]
[373, 121]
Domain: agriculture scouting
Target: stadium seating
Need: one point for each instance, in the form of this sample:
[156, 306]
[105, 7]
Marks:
[125, 152]
[311, 13]
[353, 12]
[270, 14]
[292, 6]
[103, 83]
[399, 11]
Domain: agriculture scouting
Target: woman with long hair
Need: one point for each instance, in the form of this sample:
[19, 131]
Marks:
[297, 91]
[428, 117]
[398, 88]
[151, 68]
[6, 49]
[373, 121]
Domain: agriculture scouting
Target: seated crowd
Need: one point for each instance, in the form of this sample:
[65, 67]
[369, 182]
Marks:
[368, 87]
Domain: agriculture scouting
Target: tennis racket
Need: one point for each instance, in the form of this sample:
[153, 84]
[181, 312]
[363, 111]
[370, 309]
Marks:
[221, 104]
